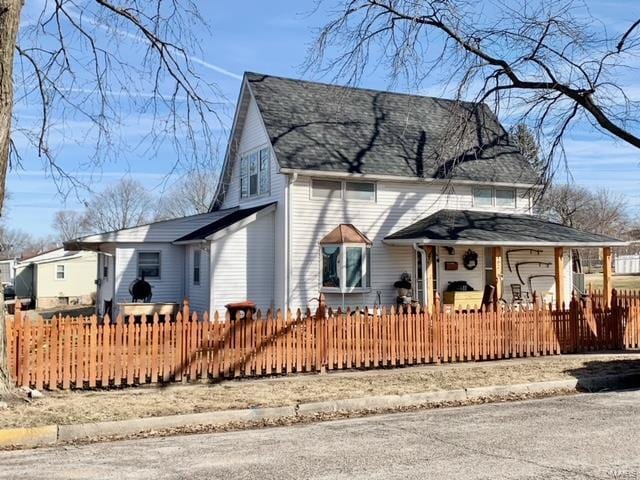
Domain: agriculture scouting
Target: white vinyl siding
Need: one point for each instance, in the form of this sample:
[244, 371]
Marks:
[168, 288]
[545, 286]
[397, 205]
[242, 265]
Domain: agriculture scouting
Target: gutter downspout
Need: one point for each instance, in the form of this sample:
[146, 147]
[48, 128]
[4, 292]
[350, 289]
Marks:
[423, 255]
[287, 240]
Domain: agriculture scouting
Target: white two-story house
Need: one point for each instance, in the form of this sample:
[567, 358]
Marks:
[338, 190]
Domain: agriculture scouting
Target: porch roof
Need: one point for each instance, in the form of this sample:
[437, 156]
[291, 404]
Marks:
[466, 227]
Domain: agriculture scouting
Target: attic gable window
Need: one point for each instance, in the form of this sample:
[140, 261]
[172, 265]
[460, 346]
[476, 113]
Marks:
[254, 173]
[346, 260]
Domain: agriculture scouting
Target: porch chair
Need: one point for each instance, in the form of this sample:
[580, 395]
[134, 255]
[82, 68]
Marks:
[516, 295]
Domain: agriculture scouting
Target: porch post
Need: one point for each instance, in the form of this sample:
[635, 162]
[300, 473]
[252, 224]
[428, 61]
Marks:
[606, 275]
[559, 273]
[497, 274]
[428, 286]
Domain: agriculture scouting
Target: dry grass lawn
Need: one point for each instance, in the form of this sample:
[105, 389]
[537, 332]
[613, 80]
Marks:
[621, 282]
[91, 406]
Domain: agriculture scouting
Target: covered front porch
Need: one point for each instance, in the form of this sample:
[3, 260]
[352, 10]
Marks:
[473, 259]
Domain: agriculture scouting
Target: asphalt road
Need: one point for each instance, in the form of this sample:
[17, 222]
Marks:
[582, 436]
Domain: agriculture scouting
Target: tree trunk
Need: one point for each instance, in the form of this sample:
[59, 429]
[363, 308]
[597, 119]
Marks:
[9, 24]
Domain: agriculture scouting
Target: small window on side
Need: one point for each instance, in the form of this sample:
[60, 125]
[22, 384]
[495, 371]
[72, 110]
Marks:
[482, 197]
[360, 191]
[326, 189]
[506, 197]
[105, 269]
[60, 272]
[196, 266]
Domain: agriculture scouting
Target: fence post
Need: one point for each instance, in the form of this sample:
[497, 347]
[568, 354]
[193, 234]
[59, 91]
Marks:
[17, 344]
[321, 315]
[617, 319]
[573, 319]
[437, 329]
[181, 368]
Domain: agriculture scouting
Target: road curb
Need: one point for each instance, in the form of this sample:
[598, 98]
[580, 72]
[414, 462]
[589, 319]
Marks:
[29, 437]
[137, 425]
[51, 434]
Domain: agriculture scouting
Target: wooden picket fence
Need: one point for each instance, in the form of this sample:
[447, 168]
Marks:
[84, 352]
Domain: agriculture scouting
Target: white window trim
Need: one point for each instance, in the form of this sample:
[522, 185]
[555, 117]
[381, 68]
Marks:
[247, 154]
[493, 197]
[343, 269]
[64, 271]
[343, 191]
[159, 277]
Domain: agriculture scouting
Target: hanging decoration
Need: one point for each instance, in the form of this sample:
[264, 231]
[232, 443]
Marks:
[470, 259]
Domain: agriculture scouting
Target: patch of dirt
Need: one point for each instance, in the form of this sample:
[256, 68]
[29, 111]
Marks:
[101, 405]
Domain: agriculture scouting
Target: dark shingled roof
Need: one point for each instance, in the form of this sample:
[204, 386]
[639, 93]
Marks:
[235, 215]
[469, 226]
[315, 126]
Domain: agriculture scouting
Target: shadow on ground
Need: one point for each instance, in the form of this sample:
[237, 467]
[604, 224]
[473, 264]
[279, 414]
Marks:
[628, 368]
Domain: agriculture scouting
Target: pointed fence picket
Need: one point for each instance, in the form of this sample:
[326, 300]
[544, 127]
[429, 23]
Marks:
[87, 352]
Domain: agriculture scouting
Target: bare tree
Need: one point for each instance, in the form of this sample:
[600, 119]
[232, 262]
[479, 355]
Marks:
[191, 194]
[97, 62]
[544, 63]
[602, 211]
[70, 224]
[122, 205]
[14, 242]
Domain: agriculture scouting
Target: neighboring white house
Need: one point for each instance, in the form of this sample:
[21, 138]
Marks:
[342, 190]
[57, 278]
[7, 272]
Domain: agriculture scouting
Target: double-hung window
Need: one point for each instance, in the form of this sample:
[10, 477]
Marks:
[61, 274]
[255, 173]
[148, 265]
[346, 268]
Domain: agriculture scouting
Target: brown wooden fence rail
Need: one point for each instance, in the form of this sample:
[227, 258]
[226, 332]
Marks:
[85, 353]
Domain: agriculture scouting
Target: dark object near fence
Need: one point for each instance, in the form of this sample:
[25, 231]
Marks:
[140, 290]
[487, 296]
[240, 309]
[459, 286]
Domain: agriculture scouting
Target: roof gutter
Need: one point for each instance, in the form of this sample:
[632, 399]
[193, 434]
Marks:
[497, 243]
[399, 178]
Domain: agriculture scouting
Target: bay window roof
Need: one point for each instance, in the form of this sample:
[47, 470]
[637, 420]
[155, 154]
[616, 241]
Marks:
[345, 233]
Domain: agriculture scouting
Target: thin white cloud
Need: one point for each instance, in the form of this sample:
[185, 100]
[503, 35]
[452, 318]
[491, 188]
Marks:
[139, 39]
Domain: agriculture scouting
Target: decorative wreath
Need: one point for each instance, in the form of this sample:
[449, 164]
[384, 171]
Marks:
[470, 259]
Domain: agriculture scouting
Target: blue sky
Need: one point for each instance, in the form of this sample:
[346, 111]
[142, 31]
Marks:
[270, 37]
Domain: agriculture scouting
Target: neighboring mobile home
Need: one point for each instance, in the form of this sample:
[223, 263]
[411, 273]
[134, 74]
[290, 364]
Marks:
[341, 191]
[57, 278]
